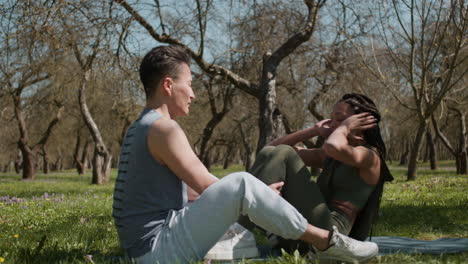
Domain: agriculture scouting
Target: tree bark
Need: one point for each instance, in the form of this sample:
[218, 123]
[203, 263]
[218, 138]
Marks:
[102, 158]
[412, 165]
[207, 161]
[426, 151]
[45, 138]
[404, 155]
[216, 118]
[431, 150]
[9, 166]
[101, 166]
[58, 165]
[45, 160]
[247, 157]
[267, 104]
[462, 144]
[227, 158]
[207, 133]
[28, 164]
[81, 161]
[18, 162]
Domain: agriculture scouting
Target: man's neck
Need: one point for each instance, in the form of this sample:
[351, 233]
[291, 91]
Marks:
[162, 108]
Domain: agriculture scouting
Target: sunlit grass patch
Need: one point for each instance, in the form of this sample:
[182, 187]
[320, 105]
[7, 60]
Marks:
[62, 218]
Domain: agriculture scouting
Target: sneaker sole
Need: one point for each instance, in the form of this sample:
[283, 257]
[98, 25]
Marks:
[239, 253]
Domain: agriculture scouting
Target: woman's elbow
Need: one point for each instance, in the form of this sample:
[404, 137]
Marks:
[330, 149]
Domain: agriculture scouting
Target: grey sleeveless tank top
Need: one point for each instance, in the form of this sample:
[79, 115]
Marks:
[145, 191]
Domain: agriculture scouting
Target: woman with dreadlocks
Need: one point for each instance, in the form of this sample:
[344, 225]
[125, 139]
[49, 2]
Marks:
[347, 193]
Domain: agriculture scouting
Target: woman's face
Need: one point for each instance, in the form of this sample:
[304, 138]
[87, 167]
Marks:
[340, 112]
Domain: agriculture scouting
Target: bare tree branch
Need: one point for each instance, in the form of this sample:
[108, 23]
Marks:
[211, 69]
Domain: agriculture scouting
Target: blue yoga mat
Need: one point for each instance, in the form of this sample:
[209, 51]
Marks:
[388, 245]
[405, 245]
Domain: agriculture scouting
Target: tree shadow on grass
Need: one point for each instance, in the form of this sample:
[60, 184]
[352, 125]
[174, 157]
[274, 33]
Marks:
[415, 220]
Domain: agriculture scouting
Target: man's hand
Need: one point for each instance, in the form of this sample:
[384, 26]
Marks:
[276, 187]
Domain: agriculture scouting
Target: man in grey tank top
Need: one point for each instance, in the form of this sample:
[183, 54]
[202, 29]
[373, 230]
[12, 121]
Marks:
[159, 173]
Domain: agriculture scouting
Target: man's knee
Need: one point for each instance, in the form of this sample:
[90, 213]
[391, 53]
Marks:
[239, 178]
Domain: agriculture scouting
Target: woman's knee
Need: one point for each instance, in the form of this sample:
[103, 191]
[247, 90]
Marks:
[284, 150]
[274, 151]
[265, 151]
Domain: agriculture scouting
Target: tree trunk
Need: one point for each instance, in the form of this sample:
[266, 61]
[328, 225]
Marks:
[270, 120]
[9, 166]
[123, 132]
[227, 158]
[59, 163]
[207, 160]
[84, 161]
[426, 151]
[247, 156]
[462, 161]
[27, 153]
[412, 165]
[432, 150]
[404, 155]
[28, 164]
[102, 158]
[45, 163]
[18, 162]
[45, 138]
[81, 163]
[101, 166]
[207, 133]
[462, 144]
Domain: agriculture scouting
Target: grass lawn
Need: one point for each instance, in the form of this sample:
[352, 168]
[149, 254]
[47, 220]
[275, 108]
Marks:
[62, 218]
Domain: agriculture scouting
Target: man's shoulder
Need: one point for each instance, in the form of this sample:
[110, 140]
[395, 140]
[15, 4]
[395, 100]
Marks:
[164, 126]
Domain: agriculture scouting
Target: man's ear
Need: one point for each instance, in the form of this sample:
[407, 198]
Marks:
[167, 85]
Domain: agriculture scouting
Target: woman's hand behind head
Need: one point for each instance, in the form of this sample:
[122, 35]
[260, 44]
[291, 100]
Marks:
[359, 122]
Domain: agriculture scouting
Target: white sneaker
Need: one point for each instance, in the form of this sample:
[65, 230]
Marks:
[347, 249]
[236, 243]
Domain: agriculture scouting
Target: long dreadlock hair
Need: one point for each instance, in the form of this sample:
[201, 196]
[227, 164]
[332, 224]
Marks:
[360, 104]
[362, 227]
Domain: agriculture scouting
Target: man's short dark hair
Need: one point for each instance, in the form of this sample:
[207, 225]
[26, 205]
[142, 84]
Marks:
[160, 62]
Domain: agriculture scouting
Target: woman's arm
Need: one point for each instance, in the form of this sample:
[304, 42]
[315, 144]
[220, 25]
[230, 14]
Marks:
[310, 157]
[296, 137]
[319, 129]
[338, 147]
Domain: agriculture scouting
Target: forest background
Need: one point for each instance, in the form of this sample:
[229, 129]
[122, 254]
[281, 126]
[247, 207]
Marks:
[69, 84]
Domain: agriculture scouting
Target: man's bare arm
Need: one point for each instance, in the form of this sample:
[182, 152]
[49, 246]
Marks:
[168, 144]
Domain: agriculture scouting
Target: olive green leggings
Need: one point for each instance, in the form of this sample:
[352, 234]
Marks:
[282, 163]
